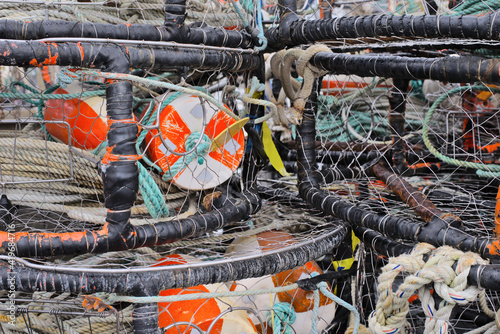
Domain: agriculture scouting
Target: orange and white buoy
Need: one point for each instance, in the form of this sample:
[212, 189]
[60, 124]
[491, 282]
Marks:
[200, 312]
[86, 118]
[179, 120]
[300, 300]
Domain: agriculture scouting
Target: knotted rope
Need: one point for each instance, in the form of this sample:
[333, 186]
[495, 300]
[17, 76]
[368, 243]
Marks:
[199, 152]
[281, 317]
[437, 273]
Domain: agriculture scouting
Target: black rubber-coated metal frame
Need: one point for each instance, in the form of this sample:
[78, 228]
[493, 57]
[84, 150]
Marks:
[300, 32]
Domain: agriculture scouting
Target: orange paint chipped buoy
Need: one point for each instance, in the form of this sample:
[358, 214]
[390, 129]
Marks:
[86, 118]
[180, 119]
[302, 301]
[200, 312]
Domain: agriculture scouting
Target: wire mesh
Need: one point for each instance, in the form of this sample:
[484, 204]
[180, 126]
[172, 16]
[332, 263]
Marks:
[51, 152]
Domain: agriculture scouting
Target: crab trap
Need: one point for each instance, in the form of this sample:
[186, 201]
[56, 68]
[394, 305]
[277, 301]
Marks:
[240, 167]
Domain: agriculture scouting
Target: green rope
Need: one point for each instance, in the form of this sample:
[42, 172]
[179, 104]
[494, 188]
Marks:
[199, 153]
[283, 316]
[460, 163]
[151, 193]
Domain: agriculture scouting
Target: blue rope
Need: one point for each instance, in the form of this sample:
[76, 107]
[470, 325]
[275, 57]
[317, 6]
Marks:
[284, 316]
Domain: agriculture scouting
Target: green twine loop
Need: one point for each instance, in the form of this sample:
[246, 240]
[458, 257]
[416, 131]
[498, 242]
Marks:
[199, 153]
[483, 170]
[284, 316]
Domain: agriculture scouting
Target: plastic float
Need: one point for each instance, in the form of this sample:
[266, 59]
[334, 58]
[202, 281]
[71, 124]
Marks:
[200, 312]
[302, 301]
[86, 118]
[182, 119]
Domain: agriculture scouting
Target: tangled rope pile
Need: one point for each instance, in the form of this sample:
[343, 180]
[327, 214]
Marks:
[436, 273]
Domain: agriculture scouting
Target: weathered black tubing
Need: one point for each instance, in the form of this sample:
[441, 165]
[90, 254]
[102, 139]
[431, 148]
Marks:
[450, 69]
[330, 173]
[486, 27]
[10, 29]
[175, 12]
[113, 58]
[334, 157]
[436, 232]
[283, 196]
[397, 102]
[145, 318]
[150, 283]
[119, 234]
[485, 276]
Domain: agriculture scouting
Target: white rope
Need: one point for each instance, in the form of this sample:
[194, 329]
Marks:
[438, 274]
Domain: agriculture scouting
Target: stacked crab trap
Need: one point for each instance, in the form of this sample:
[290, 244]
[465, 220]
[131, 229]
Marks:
[244, 167]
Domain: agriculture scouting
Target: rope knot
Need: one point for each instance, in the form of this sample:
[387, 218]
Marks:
[65, 77]
[281, 317]
[438, 273]
[200, 150]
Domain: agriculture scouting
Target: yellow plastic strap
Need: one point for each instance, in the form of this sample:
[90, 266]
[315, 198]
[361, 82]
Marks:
[271, 151]
[346, 263]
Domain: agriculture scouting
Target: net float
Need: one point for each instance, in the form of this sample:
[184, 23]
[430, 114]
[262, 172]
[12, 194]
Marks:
[200, 312]
[179, 123]
[86, 118]
[300, 300]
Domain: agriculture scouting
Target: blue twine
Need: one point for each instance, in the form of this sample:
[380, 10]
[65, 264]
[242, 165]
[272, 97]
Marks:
[284, 316]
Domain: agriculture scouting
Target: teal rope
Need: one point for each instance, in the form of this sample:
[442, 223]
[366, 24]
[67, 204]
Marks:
[460, 163]
[314, 324]
[284, 316]
[151, 193]
[323, 287]
[199, 153]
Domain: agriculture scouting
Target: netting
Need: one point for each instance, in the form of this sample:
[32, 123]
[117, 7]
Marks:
[249, 166]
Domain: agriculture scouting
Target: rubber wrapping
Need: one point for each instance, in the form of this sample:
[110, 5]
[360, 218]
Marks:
[119, 166]
[486, 27]
[334, 157]
[330, 173]
[11, 29]
[175, 12]
[449, 69]
[145, 318]
[397, 102]
[150, 283]
[436, 232]
[118, 234]
[112, 58]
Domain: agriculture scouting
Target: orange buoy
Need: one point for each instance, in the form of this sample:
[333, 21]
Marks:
[86, 118]
[200, 312]
[302, 301]
[180, 119]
